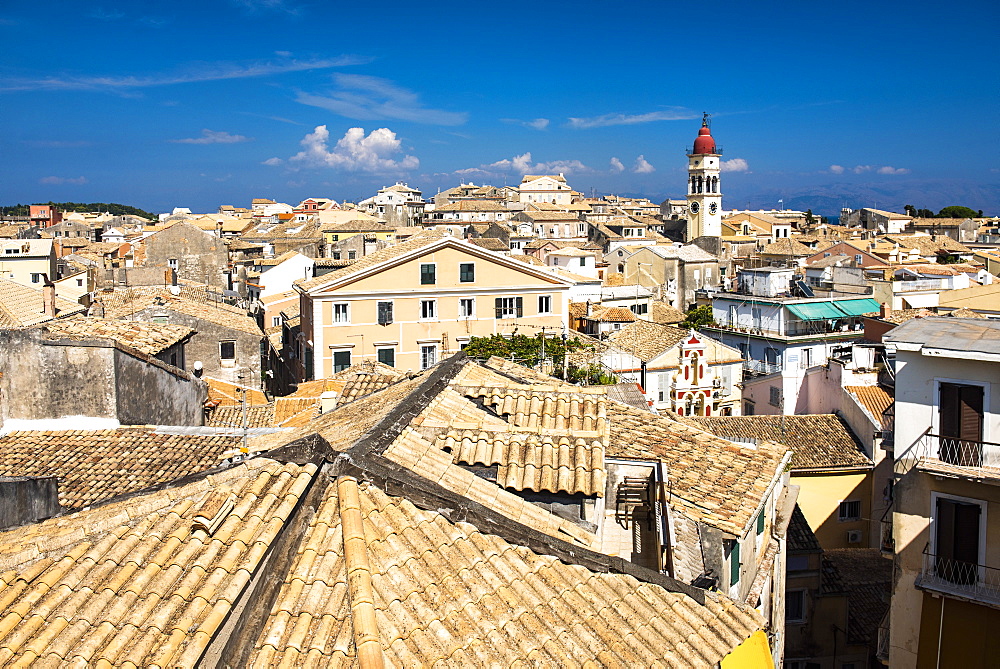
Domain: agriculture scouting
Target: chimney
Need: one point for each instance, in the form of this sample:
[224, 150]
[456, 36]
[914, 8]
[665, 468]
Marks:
[883, 311]
[49, 298]
[328, 401]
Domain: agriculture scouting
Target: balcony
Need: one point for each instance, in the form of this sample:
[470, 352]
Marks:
[964, 580]
[887, 544]
[914, 285]
[935, 452]
[761, 367]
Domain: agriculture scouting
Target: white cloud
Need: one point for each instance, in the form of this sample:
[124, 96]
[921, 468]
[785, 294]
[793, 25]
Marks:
[642, 166]
[367, 98]
[355, 152]
[196, 74]
[537, 124]
[272, 161]
[616, 165]
[523, 164]
[213, 137]
[78, 181]
[886, 169]
[675, 114]
[735, 165]
[837, 169]
[861, 169]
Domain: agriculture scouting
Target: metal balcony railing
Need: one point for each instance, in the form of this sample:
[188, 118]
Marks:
[961, 452]
[886, 542]
[761, 367]
[964, 579]
[882, 652]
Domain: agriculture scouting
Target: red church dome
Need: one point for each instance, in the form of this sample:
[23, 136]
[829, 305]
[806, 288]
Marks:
[704, 143]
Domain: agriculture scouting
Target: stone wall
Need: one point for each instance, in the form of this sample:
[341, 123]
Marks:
[45, 378]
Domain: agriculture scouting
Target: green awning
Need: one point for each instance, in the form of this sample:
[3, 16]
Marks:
[859, 306]
[815, 311]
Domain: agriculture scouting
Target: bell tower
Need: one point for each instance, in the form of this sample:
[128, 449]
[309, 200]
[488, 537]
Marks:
[704, 193]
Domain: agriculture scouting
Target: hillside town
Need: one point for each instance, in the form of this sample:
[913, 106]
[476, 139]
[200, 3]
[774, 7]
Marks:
[500, 425]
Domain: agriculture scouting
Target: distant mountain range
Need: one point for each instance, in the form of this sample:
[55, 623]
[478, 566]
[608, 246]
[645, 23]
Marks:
[828, 199]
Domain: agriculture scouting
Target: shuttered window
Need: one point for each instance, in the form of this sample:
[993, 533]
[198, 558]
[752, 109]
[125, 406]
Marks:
[384, 313]
[734, 563]
[509, 307]
[428, 274]
[341, 361]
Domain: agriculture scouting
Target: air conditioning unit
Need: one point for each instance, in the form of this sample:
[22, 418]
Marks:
[854, 536]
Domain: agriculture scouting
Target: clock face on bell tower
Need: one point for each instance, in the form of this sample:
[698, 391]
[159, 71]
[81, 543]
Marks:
[695, 207]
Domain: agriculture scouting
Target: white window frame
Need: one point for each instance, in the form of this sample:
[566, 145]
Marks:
[379, 349]
[343, 318]
[472, 307]
[460, 280]
[983, 525]
[850, 519]
[428, 355]
[547, 304]
[424, 309]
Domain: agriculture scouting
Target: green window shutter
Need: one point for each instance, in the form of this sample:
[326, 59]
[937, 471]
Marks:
[467, 272]
[734, 563]
[387, 356]
[760, 523]
[427, 275]
[499, 307]
[341, 360]
[519, 302]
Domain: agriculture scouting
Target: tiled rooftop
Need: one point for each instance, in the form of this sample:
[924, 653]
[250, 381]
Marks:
[148, 338]
[378, 578]
[23, 306]
[714, 481]
[816, 440]
[141, 582]
[94, 465]
[873, 398]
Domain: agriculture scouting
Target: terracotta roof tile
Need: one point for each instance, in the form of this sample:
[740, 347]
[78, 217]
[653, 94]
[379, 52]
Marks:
[816, 440]
[714, 481]
[445, 592]
[144, 585]
[94, 465]
[873, 398]
[149, 338]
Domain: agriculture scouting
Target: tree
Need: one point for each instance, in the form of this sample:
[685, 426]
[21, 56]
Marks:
[925, 213]
[956, 211]
[910, 210]
[809, 217]
[532, 351]
[698, 317]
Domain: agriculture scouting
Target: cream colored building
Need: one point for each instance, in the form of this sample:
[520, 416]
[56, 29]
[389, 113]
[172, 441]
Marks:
[551, 188]
[412, 304]
[946, 501]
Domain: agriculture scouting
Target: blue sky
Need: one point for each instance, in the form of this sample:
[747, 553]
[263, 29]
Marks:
[216, 102]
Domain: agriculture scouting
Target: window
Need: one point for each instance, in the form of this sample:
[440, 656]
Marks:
[509, 307]
[583, 262]
[172, 263]
[428, 274]
[639, 309]
[466, 307]
[275, 321]
[957, 531]
[341, 313]
[36, 277]
[849, 510]
[795, 606]
[227, 350]
[428, 308]
[857, 258]
[774, 396]
[733, 554]
[387, 356]
[960, 420]
[79, 282]
[351, 255]
[428, 356]
[466, 272]
[760, 522]
[341, 361]
[748, 408]
[384, 313]
[544, 304]
[336, 255]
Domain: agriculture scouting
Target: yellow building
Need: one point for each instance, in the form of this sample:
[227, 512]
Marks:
[411, 304]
